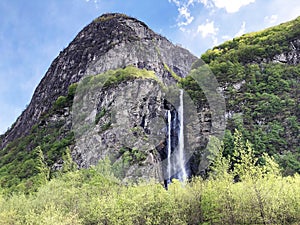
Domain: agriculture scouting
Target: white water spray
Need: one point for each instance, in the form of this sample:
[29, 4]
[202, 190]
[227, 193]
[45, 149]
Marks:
[169, 144]
[180, 158]
[175, 143]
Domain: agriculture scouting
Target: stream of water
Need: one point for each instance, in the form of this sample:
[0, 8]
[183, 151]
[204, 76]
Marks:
[175, 143]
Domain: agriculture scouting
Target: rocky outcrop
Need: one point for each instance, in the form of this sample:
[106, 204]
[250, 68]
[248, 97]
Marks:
[127, 123]
[132, 117]
[291, 57]
[109, 42]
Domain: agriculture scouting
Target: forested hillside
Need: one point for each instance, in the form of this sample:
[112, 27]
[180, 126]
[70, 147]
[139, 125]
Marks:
[259, 74]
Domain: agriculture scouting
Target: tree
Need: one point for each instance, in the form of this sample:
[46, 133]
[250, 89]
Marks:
[219, 164]
[69, 164]
[40, 170]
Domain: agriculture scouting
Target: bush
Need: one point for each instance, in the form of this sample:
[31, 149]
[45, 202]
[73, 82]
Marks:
[61, 102]
[95, 196]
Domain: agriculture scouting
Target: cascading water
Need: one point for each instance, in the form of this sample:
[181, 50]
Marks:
[175, 143]
[169, 145]
[182, 174]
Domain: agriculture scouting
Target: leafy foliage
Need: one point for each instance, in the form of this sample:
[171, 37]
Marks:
[95, 196]
[173, 74]
[25, 162]
[99, 115]
[262, 95]
[256, 46]
[66, 101]
[114, 77]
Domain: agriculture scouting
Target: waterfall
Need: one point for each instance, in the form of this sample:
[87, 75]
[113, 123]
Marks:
[169, 142]
[181, 160]
[175, 144]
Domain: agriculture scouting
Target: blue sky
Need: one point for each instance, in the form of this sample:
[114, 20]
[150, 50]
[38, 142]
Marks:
[33, 32]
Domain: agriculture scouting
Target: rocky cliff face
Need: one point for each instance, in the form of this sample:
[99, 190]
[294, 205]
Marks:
[127, 123]
[123, 72]
[109, 42]
[291, 56]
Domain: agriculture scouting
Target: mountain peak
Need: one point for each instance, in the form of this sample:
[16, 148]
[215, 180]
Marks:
[109, 42]
[116, 17]
[118, 27]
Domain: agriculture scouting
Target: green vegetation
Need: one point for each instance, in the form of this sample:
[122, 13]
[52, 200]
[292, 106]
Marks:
[106, 126]
[68, 163]
[262, 96]
[256, 46]
[112, 78]
[18, 161]
[96, 196]
[20, 169]
[129, 156]
[195, 92]
[60, 102]
[121, 75]
[174, 75]
[107, 17]
[25, 162]
[99, 115]
[66, 101]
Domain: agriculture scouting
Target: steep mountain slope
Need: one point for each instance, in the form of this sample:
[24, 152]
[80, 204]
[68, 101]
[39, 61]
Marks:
[259, 73]
[129, 51]
[111, 41]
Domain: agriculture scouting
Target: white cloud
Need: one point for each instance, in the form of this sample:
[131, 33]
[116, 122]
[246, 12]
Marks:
[207, 3]
[184, 13]
[176, 2]
[231, 6]
[242, 30]
[271, 19]
[96, 2]
[284, 10]
[183, 6]
[184, 18]
[226, 37]
[207, 29]
[204, 2]
[215, 40]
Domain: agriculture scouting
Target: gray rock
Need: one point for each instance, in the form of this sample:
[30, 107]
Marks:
[109, 42]
[291, 57]
[135, 110]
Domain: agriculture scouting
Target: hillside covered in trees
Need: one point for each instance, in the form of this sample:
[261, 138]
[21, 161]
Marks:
[259, 74]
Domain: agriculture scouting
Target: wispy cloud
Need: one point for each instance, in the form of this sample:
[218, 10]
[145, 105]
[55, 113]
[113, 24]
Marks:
[184, 15]
[271, 19]
[96, 2]
[207, 29]
[231, 6]
[242, 30]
